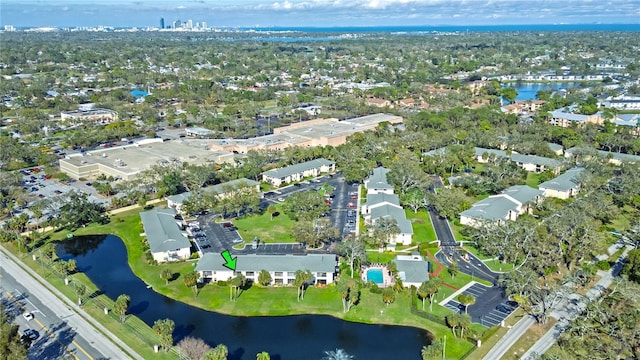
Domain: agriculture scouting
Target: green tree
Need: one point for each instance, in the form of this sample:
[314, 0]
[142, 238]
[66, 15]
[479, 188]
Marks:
[263, 356]
[353, 250]
[307, 205]
[235, 284]
[509, 93]
[219, 352]
[78, 211]
[632, 265]
[164, 329]
[453, 269]
[349, 290]
[264, 278]
[433, 286]
[303, 277]
[422, 292]
[388, 296]
[166, 275]
[464, 321]
[121, 305]
[433, 351]
[191, 280]
[453, 320]
[11, 345]
[81, 291]
[466, 300]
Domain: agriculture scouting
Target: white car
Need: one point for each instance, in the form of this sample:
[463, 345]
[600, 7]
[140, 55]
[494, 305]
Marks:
[281, 199]
[28, 316]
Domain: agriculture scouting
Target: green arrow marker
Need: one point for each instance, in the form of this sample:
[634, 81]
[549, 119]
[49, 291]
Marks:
[230, 262]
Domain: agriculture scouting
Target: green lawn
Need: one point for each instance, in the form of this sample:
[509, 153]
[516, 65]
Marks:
[277, 230]
[455, 228]
[422, 227]
[495, 265]
[533, 180]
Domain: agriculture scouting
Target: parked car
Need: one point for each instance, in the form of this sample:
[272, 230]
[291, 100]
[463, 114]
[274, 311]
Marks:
[513, 304]
[351, 205]
[503, 309]
[227, 225]
[281, 199]
[30, 334]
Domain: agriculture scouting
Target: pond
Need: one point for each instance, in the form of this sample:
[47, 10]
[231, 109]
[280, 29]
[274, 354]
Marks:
[104, 260]
[528, 90]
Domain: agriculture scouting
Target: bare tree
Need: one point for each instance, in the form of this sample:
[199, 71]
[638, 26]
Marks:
[192, 348]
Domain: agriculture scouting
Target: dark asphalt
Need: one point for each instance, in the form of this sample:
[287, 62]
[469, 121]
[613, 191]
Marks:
[219, 238]
[487, 298]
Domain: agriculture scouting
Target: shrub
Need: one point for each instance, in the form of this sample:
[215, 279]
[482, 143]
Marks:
[603, 265]
[375, 289]
[221, 283]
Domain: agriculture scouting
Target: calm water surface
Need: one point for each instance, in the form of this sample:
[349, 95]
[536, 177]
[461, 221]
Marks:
[104, 260]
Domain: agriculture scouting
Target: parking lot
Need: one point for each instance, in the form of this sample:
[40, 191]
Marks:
[215, 236]
[38, 186]
[491, 307]
[343, 200]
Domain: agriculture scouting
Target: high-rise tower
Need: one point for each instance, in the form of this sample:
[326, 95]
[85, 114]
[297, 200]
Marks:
[161, 23]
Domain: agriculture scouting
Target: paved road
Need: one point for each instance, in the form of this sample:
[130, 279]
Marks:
[63, 318]
[563, 311]
[570, 310]
[487, 298]
[507, 341]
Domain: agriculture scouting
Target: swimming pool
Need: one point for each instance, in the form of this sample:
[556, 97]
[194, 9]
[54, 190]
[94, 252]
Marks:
[375, 275]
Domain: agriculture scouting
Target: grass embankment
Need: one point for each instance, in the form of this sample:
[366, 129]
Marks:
[276, 230]
[498, 333]
[422, 227]
[530, 337]
[493, 264]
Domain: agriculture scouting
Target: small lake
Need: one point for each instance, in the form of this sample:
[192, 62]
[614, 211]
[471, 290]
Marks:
[104, 260]
[528, 90]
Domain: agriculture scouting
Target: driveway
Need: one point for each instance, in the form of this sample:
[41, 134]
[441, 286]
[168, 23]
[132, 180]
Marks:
[484, 311]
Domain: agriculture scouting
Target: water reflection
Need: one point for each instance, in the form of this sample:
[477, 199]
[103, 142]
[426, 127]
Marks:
[104, 260]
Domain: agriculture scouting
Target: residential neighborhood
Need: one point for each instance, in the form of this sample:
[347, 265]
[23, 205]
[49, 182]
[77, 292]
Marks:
[195, 192]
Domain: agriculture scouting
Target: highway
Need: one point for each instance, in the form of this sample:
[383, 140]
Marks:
[63, 328]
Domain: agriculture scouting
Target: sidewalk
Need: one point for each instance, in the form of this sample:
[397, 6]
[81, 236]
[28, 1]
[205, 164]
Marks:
[563, 310]
[103, 340]
[569, 311]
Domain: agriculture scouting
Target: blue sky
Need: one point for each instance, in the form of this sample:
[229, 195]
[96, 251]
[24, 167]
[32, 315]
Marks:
[317, 13]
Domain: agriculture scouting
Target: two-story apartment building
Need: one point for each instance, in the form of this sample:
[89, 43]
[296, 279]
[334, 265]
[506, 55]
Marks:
[282, 268]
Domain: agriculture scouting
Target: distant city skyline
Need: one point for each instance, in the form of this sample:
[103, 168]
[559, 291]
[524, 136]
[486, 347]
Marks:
[315, 13]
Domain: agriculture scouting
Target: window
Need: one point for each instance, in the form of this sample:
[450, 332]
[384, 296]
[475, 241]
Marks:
[278, 281]
[290, 281]
[278, 273]
[322, 275]
[291, 274]
[206, 273]
[249, 273]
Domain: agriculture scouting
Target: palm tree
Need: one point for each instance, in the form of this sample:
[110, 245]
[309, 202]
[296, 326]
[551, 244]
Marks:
[466, 300]
[337, 354]
[166, 275]
[263, 356]
[264, 278]
[453, 321]
[191, 280]
[121, 305]
[464, 321]
[301, 280]
[388, 296]
[423, 292]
